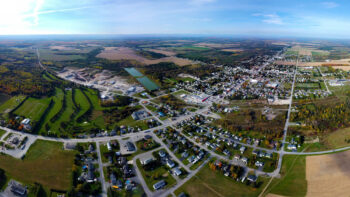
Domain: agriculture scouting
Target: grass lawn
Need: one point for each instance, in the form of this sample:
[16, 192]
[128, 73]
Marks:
[337, 139]
[45, 163]
[293, 181]
[214, 184]
[129, 121]
[58, 99]
[66, 113]
[2, 132]
[11, 103]
[161, 171]
[33, 108]
[81, 101]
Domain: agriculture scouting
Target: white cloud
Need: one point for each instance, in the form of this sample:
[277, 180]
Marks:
[329, 4]
[270, 18]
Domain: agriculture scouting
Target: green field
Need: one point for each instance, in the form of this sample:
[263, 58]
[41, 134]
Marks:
[293, 181]
[66, 113]
[308, 85]
[2, 132]
[11, 103]
[81, 101]
[33, 108]
[160, 171]
[58, 99]
[46, 54]
[214, 184]
[45, 163]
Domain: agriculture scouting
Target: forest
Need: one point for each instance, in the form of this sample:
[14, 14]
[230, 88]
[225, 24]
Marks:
[323, 118]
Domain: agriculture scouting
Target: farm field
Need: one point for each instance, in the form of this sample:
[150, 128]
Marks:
[214, 184]
[45, 163]
[293, 181]
[47, 54]
[328, 175]
[119, 53]
[33, 108]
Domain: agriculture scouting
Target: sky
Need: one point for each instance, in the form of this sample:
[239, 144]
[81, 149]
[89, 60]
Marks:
[254, 18]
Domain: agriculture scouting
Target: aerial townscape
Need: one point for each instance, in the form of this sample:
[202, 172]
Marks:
[132, 112]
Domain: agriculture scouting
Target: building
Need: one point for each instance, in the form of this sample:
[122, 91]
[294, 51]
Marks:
[159, 185]
[130, 146]
[252, 178]
[170, 163]
[146, 161]
[177, 172]
[18, 189]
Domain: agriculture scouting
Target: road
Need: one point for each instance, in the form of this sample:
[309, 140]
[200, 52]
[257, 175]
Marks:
[39, 62]
[325, 82]
[281, 152]
[100, 167]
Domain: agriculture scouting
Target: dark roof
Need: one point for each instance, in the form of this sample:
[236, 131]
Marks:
[18, 189]
[131, 146]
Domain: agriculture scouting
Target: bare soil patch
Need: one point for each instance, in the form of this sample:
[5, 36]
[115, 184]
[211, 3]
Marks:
[328, 175]
[162, 51]
[232, 50]
[119, 53]
[217, 45]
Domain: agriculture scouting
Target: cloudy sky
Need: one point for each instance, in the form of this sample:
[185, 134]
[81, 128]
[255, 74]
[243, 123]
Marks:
[285, 18]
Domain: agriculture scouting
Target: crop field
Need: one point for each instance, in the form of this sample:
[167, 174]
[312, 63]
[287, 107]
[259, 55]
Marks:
[45, 163]
[163, 51]
[328, 175]
[46, 54]
[11, 103]
[214, 184]
[125, 53]
[33, 108]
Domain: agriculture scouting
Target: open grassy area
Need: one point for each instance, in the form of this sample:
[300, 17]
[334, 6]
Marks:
[66, 113]
[129, 121]
[160, 171]
[58, 102]
[33, 108]
[45, 163]
[293, 181]
[81, 101]
[2, 132]
[214, 184]
[47, 54]
[11, 103]
[337, 139]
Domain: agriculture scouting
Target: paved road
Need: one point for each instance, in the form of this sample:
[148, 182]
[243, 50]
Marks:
[100, 167]
[325, 82]
[281, 152]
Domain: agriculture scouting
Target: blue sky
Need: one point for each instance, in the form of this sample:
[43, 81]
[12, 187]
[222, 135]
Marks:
[283, 18]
